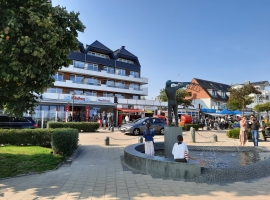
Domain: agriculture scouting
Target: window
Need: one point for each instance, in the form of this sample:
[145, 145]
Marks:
[90, 93]
[125, 60]
[76, 78]
[120, 96]
[120, 71]
[110, 83]
[92, 81]
[109, 70]
[135, 74]
[120, 84]
[78, 64]
[98, 55]
[105, 94]
[267, 97]
[93, 67]
[77, 92]
[214, 93]
[223, 94]
[134, 86]
[156, 121]
[134, 97]
[55, 90]
[58, 76]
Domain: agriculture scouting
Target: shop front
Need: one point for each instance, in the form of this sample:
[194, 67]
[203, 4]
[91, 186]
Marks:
[81, 108]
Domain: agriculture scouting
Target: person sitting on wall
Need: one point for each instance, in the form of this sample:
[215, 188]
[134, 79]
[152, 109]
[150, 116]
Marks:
[180, 150]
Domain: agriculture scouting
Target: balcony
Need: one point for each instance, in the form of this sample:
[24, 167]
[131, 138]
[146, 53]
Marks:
[96, 85]
[104, 74]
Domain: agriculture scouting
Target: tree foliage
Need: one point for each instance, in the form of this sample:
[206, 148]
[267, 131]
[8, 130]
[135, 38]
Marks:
[265, 107]
[35, 40]
[181, 97]
[239, 98]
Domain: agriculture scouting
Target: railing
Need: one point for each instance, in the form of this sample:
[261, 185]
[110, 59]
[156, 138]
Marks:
[109, 72]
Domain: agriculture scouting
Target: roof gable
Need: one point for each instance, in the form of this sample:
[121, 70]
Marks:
[122, 51]
[212, 85]
[98, 45]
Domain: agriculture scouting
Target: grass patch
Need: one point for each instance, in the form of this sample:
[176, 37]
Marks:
[16, 160]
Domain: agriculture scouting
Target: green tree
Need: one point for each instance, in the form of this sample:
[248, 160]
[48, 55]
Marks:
[35, 40]
[181, 97]
[265, 107]
[239, 98]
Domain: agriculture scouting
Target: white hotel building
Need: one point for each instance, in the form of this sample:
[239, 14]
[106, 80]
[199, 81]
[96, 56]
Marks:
[96, 76]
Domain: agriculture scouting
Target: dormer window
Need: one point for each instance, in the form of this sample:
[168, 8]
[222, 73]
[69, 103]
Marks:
[125, 60]
[223, 94]
[98, 55]
[214, 93]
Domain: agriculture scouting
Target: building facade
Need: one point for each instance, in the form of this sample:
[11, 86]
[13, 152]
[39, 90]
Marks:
[209, 96]
[90, 84]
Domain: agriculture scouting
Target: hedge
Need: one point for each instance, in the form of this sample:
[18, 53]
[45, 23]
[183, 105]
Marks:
[84, 126]
[64, 141]
[234, 133]
[35, 137]
[187, 127]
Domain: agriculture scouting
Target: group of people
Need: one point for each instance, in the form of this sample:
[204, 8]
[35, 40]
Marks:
[105, 120]
[179, 151]
[217, 123]
[254, 127]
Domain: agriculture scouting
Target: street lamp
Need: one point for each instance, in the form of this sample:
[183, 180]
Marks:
[72, 96]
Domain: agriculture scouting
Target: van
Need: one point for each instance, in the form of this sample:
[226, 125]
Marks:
[9, 122]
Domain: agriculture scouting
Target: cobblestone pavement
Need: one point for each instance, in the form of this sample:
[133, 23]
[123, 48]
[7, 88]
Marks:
[97, 173]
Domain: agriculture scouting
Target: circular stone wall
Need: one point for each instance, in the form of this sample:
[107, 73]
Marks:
[167, 167]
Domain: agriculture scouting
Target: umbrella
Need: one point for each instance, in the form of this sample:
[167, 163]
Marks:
[237, 112]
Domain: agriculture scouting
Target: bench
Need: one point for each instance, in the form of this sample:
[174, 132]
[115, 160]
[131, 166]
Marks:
[266, 133]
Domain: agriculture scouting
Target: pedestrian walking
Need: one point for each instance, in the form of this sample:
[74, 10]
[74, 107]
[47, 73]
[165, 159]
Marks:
[180, 150]
[109, 120]
[243, 135]
[104, 119]
[255, 125]
[149, 134]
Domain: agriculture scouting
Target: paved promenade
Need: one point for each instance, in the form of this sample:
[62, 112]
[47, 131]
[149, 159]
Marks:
[97, 173]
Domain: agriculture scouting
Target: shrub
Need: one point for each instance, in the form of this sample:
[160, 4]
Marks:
[64, 141]
[35, 137]
[84, 126]
[187, 126]
[234, 133]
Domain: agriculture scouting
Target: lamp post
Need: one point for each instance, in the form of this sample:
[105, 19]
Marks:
[72, 96]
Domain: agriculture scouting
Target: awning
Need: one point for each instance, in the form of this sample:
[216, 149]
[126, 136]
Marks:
[148, 111]
[129, 110]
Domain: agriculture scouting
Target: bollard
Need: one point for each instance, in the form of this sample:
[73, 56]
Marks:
[107, 141]
[112, 129]
[192, 132]
[140, 139]
[215, 138]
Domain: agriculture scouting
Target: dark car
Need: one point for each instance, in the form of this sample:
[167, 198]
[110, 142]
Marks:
[237, 124]
[138, 126]
[8, 122]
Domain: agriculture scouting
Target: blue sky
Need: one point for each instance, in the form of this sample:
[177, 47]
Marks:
[225, 41]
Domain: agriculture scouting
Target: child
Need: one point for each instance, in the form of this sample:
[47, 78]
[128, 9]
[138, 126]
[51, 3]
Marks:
[148, 134]
[180, 150]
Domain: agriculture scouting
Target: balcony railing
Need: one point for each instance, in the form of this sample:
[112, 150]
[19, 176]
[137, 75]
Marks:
[109, 72]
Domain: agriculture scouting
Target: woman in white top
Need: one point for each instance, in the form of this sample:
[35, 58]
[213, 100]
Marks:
[180, 150]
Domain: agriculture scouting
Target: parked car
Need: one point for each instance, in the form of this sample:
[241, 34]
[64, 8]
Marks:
[138, 126]
[8, 122]
[237, 124]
